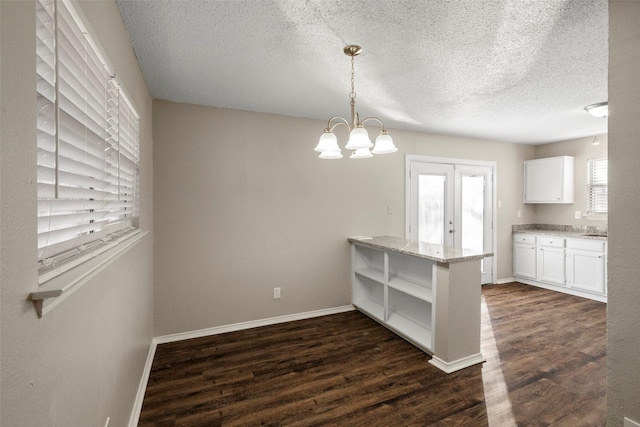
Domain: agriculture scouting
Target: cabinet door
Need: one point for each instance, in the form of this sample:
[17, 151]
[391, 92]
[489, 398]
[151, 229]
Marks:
[549, 180]
[551, 265]
[524, 260]
[586, 271]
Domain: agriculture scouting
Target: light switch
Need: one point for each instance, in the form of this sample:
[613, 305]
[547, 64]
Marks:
[499, 204]
[577, 215]
[519, 214]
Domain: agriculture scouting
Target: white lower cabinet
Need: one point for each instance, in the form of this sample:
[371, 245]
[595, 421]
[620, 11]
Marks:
[571, 265]
[524, 256]
[550, 267]
[587, 265]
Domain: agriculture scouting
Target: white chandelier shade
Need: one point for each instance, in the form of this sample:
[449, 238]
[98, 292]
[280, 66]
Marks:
[358, 138]
[361, 153]
[328, 142]
[359, 141]
[384, 145]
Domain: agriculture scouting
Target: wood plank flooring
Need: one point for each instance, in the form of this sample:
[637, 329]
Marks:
[545, 366]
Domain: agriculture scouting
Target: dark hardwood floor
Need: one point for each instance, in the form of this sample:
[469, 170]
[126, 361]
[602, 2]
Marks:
[545, 366]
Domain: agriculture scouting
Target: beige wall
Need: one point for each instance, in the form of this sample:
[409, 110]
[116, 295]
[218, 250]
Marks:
[582, 149]
[83, 361]
[242, 205]
[623, 315]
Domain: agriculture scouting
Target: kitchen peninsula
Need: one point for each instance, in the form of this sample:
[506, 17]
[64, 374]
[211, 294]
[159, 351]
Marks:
[428, 294]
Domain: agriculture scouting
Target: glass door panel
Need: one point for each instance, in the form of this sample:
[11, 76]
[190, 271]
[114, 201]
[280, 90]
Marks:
[431, 223]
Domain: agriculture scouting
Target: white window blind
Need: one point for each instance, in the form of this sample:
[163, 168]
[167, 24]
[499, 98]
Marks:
[597, 186]
[87, 143]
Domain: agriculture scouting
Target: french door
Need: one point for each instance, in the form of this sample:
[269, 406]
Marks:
[450, 202]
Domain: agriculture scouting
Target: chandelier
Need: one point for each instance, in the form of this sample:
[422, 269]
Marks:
[359, 140]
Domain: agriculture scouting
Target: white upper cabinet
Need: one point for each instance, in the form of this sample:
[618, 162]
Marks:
[549, 180]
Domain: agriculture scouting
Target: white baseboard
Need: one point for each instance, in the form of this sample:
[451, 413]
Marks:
[505, 280]
[251, 324]
[457, 365]
[630, 423]
[142, 387]
[564, 290]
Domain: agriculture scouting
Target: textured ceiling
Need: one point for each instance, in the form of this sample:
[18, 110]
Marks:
[507, 70]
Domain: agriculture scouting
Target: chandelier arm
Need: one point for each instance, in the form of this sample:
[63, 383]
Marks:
[342, 121]
[377, 120]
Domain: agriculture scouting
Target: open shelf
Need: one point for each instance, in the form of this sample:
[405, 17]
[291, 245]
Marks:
[413, 331]
[410, 316]
[417, 291]
[371, 273]
[410, 269]
[367, 258]
[368, 295]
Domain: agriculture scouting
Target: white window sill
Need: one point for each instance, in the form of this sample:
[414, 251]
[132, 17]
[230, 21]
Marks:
[596, 217]
[54, 291]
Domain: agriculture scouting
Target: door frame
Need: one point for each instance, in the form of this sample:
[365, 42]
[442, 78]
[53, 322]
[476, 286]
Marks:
[453, 161]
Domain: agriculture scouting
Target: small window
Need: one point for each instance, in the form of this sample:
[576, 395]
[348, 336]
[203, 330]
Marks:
[597, 187]
[87, 144]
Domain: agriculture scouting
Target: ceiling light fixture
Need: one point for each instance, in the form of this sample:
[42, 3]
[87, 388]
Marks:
[601, 109]
[359, 140]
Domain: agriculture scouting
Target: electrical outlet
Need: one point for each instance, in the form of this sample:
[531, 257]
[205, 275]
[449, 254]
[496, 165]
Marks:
[276, 293]
[577, 215]
[519, 214]
[389, 210]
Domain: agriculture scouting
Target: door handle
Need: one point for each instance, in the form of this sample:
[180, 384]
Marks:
[451, 230]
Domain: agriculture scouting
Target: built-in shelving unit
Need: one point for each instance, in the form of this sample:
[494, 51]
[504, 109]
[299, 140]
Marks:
[427, 294]
[397, 291]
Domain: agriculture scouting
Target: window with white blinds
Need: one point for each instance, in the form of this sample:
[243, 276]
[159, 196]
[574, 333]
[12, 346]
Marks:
[87, 142]
[597, 186]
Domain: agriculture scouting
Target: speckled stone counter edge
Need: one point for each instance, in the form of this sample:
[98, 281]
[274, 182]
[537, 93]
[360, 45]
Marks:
[581, 232]
[433, 252]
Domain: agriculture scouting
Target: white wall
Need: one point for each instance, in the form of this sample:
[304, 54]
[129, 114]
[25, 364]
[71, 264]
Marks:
[242, 205]
[623, 313]
[83, 361]
[582, 149]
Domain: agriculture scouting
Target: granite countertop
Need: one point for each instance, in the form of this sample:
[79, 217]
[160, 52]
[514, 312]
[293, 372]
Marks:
[438, 253]
[562, 231]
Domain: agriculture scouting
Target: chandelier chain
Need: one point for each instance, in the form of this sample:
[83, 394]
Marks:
[352, 95]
